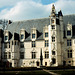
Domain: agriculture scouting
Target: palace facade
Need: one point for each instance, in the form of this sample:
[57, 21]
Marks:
[39, 42]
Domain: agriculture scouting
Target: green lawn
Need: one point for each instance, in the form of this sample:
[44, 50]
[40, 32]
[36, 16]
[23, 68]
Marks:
[40, 72]
[65, 72]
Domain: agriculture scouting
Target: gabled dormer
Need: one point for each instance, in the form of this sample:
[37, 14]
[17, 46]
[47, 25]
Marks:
[6, 35]
[33, 34]
[45, 32]
[69, 30]
[22, 35]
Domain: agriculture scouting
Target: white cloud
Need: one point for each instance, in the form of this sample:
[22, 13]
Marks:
[25, 10]
[67, 6]
[29, 9]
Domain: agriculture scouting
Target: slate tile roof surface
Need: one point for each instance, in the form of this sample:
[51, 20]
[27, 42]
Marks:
[38, 24]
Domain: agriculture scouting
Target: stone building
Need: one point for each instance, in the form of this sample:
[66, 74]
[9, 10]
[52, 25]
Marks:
[39, 42]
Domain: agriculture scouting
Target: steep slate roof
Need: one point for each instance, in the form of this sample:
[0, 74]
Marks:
[28, 24]
[38, 24]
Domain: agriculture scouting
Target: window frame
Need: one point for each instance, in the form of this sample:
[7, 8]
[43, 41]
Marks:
[53, 39]
[33, 55]
[69, 42]
[46, 43]
[33, 44]
[53, 61]
[53, 52]
[6, 38]
[33, 36]
[53, 27]
[21, 44]
[68, 32]
[69, 53]
[22, 36]
[46, 54]
[21, 55]
[46, 34]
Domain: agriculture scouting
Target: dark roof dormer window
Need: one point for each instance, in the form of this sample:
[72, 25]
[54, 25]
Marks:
[33, 35]
[22, 36]
[69, 33]
[46, 34]
[6, 37]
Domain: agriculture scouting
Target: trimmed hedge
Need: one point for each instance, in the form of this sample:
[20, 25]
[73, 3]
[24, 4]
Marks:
[60, 67]
[20, 69]
[35, 68]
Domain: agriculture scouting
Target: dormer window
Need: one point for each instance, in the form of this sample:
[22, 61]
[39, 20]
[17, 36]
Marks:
[68, 32]
[22, 36]
[6, 37]
[46, 34]
[33, 35]
[53, 26]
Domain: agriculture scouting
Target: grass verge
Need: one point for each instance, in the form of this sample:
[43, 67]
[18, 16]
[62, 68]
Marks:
[40, 72]
[65, 72]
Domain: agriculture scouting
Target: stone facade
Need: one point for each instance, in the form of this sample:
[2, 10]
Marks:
[40, 42]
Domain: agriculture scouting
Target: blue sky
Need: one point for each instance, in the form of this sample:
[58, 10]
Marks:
[31, 9]
[46, 2]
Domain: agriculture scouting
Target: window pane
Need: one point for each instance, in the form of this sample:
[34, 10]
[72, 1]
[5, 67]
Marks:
[33, 55]
[21, 45]
[46, 43]
[6, 37]
[69, 53]
[53, 52]
[22, 36]
[53, 26]
[33, 44]
[53, 39]
[69, 43]
[21, 55]
[46, 34]
[33, 35]
[46, 54]
[53, 60]
[68, 32]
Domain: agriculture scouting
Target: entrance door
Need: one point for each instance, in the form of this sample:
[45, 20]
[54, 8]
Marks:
[10, 64]
[37, 63]
[64, 63]
[45, 63]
